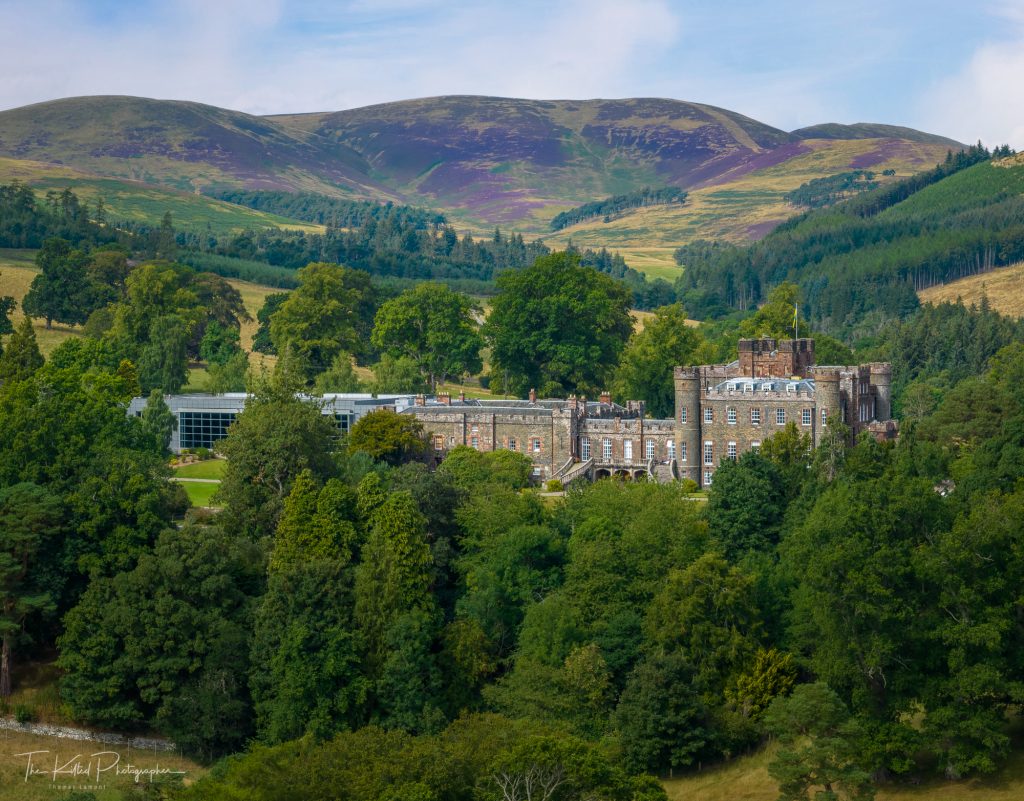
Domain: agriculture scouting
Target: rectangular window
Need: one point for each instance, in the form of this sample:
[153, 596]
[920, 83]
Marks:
[672, 450]
[780, 416]
[730, 416]
[585, 448]
[512, 443]
[755, 417]
[709, 415]
[709, 453]
[649, 445]
[731, 450]
[682, 415]
[755, 446]
[343, 422]
[202, 429]
[606, 450]
[474, 442]
[627, 450]
[805, 417]
[536, 445]
[439, 443]
[824, 416]
[707, 478]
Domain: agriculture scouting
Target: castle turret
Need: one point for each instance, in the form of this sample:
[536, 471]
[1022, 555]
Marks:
[881, 379]
[827, 399]
[687, 422]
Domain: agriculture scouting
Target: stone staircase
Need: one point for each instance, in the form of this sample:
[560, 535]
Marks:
[568, 473]
[665, 473]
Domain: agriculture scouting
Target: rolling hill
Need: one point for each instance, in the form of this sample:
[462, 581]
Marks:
[484, 161]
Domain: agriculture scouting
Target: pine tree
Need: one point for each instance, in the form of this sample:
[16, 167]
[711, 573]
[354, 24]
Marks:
[21, 357]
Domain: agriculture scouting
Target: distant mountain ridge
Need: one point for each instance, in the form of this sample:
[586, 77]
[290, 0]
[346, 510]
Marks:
[483, 160]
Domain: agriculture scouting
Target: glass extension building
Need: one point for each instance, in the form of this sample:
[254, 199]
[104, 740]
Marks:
[204, 419]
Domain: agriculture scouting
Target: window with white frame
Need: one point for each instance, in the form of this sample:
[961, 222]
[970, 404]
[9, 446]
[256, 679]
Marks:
[805, 417]
[755, 446]
[627, 450]
[585, 448]
[824, 416]
[474, 442]
[606, 450]
[780, 417]
[535, 445]
[649, 449]
[707, 478]
[672, 450]
[731, 450]
[511, 443]
[439, 443]
[755, 417]
[730, 416]
[682, 415]
[709, 453]
[709, 415]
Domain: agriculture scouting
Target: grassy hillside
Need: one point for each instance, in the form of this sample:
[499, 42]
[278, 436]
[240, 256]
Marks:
[1004, 289]
[187, 146]
[132, 201]
[745, 207]
[481, 160]
[747, 779]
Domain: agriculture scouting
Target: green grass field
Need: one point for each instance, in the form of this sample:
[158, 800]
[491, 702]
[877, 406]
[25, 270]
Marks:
[200, 494]
[211, 468]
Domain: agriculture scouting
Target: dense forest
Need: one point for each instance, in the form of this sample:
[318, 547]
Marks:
[870, 254]
[433, 633]
[617, 204]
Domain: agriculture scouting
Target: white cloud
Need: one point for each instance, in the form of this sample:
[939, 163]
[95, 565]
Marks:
[985, 99]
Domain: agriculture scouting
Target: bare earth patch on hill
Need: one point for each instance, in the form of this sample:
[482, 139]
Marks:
[1004, 289]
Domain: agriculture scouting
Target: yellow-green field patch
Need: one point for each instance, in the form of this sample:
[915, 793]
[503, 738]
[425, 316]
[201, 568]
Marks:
[1004, 289]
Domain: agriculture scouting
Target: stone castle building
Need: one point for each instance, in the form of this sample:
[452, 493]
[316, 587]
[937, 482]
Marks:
[721, 412]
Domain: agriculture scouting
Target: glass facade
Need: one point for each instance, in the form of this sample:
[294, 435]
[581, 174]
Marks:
[202, 429]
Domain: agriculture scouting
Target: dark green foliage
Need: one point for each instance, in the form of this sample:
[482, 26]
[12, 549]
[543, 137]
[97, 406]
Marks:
[819, 192]
[617, 204]
[434, 327]
[158, 420]
[168, 641]
[331, 211]
[472, 469]
[557, 327]
[745, 505]
[820, 748]
[645, 369]
[660, 717]
[27, 223]
[21, 358]
[7, 304]
[262, 342]
[388, 436]
[30, 521]
[870, 253]
[62, 291]
[271, 442]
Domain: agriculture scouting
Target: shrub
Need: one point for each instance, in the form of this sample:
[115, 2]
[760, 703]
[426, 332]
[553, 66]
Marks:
[555, 485]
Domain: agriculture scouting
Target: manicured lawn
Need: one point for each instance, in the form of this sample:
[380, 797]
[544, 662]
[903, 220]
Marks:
[199, 494]
[212, 468]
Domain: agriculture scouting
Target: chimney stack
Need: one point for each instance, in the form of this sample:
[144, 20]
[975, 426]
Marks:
[445, 398]
[605, 397]
[421, 401]
[533, 396]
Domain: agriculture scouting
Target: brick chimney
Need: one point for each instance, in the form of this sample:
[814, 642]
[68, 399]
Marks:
[445, 398]
[606, 397]
[533, 396]
[420, 400]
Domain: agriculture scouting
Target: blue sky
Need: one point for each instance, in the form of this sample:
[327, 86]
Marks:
[949, 67]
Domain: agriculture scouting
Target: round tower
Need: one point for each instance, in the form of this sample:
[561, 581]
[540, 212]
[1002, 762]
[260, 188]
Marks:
[827, 401]
[881, 379]
[687, 422]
